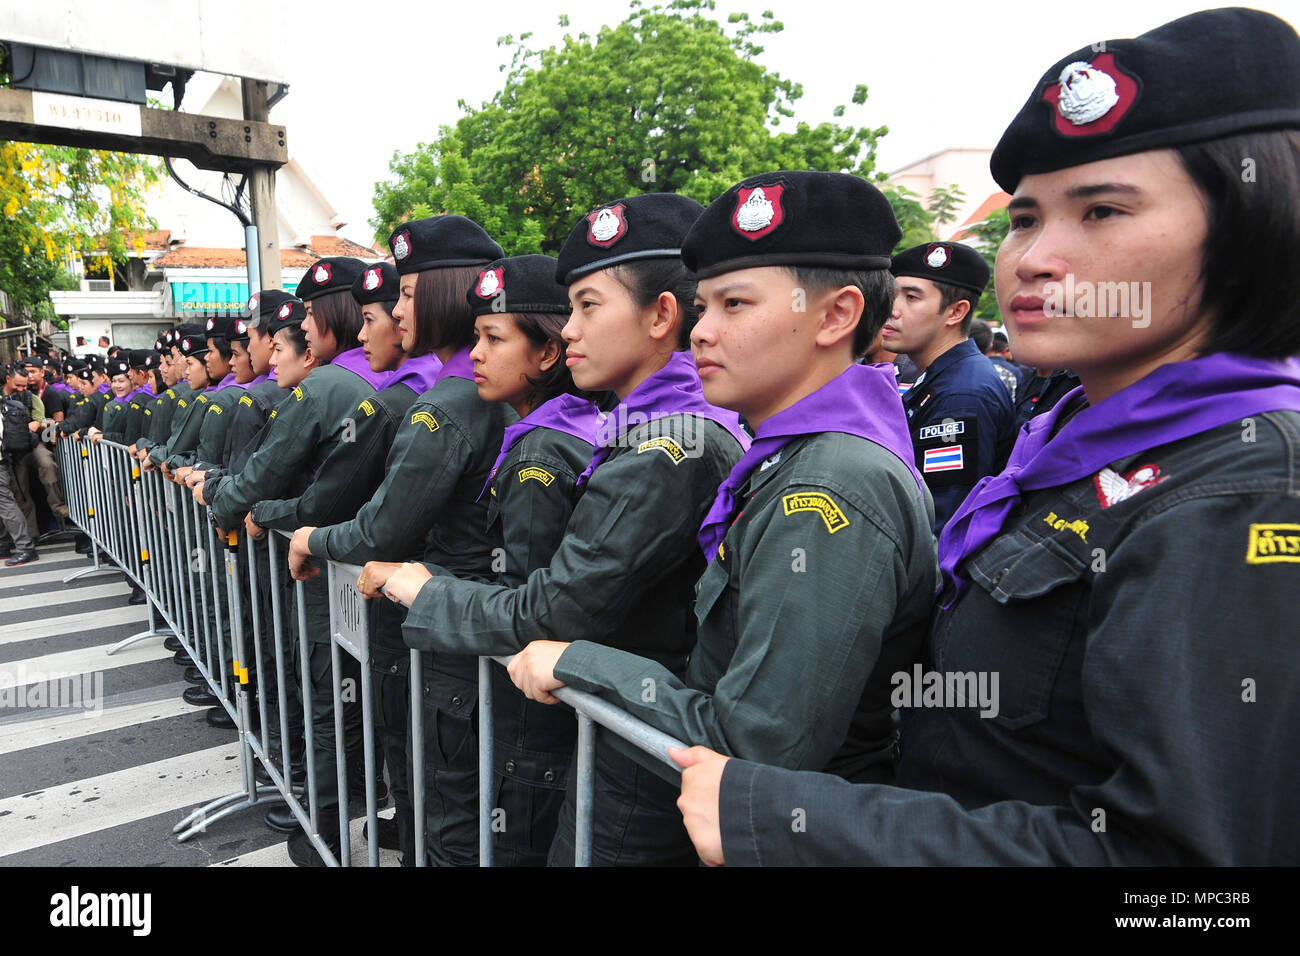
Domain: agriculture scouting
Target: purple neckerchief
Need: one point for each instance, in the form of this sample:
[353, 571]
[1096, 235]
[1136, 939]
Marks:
[862, 400]
[141, 390]
[264, 377]
[419, 374]
[228, 381]
[354, 360]
[566, 413]
[104, 389]
[1175, 401]
[673, 390]
[459, 365]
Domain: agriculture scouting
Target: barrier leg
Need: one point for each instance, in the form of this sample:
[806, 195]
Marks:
[485, 758]
[417, 754]
[582, 805]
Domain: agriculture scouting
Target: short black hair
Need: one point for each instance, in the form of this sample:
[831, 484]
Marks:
[645, 279]
[952, 294]
[338, 312]
[1000, 341]
[981, 333]
[296, 336]
[443, 317]
[876, 286]
[540, 328]
[1250, 285]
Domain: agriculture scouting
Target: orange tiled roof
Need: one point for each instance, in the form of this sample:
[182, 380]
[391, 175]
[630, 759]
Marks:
[228, 258]
[338, 246]
[987, 208]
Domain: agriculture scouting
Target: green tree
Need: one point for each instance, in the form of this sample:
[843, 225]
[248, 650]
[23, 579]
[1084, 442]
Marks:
[669, 100]
[987, 236]
[59, 203]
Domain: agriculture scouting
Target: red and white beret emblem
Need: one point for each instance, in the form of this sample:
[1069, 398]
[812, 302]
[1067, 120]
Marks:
[252, 303]
[490, 282]
[241, 327]
[937, 256]
[211, 323]
[607, 226]
[285, 310]
[373, 280]
[185, 344]
[1091, 96]
[321, 275]
[758, 210]
[401, 245]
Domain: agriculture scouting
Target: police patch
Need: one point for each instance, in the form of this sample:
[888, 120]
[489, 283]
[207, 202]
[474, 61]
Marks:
[425, 419]
[665, 445]
[537, 474]
[942, 430]
[1091, 97]
[1273, 543]
[366, 407]
[816, 501]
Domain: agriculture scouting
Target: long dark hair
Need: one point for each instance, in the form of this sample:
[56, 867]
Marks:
[541, 328]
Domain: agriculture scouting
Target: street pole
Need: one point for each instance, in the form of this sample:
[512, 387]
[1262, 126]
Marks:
[262, 238]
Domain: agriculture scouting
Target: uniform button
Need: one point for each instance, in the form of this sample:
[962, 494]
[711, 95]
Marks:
[1000, 575]
[393, 669]
[455, 702]
[549, 776]
[510, 766]
[426, 689]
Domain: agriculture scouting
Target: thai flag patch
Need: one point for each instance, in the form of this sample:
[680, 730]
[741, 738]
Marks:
[943, 459]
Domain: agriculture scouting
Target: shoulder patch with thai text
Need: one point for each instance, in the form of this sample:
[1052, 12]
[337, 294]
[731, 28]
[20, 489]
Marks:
[823, 504]
[425, 419]
[537, 474]
[297, 393]
[367, 407]
[245, 400]
[666, 445]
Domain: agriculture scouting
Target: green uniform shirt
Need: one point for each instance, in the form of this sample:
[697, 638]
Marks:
[304, 428]
[625, 571]
[438, 464]
[351, 472]
[820, 592]
[185, 427]
[212, 430]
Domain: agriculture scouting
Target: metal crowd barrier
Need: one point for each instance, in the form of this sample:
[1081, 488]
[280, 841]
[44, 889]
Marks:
[155, 533]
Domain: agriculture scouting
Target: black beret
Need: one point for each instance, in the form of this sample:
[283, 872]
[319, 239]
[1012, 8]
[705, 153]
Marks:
[290, 312]
[794, 218]
[95, 362]
[519, 284]
[219, 326]
[948, 262]
[261, 309]
[1204, 76]
[163, 342]
[379, 283]
[74, 366]
[35, 361]
[441, 242]
[188, 328]
[118, 366]
[138, 358]
[649, 226]
[193, 344]
[152, 360]
[334, 274]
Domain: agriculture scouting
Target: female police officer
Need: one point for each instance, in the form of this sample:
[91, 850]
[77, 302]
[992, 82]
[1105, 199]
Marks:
[519, 360]
[625, 570]
[1093, 575]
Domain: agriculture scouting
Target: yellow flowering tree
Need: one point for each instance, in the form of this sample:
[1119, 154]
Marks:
[62, 202]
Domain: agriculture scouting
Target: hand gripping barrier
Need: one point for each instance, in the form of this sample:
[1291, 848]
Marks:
[154, 532]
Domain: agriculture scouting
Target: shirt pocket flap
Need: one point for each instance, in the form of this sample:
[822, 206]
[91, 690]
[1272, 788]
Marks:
[1018, 566]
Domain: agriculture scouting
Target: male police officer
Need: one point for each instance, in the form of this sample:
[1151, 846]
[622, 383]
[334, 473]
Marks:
[958, 410]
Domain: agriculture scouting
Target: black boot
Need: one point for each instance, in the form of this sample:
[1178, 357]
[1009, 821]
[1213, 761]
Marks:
[137, 596]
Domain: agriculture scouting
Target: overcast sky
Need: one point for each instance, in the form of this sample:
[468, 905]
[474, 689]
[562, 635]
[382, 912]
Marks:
[364, 82]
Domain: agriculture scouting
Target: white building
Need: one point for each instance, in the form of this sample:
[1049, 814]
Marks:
[193, 264]
[965, 168]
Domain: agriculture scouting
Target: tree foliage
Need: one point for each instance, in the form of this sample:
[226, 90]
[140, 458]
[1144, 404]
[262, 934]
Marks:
[60, 202]
[986, 236]
[669, 100]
